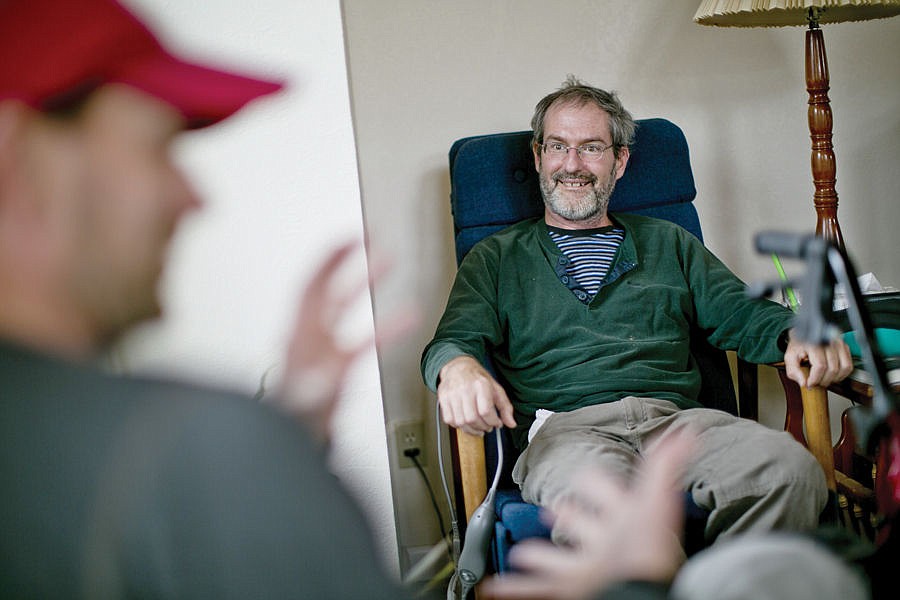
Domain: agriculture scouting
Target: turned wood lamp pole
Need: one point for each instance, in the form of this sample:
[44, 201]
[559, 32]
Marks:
[823, 162]
[778, 13]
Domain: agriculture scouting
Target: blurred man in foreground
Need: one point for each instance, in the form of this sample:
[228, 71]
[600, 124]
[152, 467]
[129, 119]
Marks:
[115, 486]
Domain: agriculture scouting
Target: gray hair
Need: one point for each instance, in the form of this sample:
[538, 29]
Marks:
[573, 91]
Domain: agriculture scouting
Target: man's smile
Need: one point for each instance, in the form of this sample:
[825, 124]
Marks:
[570, 182]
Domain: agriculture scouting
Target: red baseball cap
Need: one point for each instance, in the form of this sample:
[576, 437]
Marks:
[54, 52]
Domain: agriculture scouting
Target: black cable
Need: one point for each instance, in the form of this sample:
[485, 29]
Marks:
[413, 454]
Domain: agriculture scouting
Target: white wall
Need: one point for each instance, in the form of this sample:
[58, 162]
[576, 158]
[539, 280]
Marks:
[281, 185]
[424, 73]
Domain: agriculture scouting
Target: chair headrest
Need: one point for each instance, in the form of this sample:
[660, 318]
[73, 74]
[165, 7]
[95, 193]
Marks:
[494, 182]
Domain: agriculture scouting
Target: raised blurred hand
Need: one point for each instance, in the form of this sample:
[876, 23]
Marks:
[318, 358]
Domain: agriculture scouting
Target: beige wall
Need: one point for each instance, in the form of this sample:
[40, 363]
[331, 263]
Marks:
[426, 72]
[280, 185]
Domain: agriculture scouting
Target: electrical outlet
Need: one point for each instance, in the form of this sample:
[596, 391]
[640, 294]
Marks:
[408, 436]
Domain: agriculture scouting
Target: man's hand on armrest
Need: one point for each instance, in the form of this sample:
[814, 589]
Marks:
[472, 400]
[827, 364]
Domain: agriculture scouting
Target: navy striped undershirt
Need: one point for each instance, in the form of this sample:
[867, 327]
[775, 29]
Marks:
[590, 252]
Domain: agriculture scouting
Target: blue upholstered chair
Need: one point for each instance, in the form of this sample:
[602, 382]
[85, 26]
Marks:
[493, 185]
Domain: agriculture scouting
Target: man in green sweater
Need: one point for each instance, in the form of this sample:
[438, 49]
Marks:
[586, 318]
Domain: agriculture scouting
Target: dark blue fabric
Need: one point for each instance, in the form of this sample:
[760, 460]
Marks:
[522, 519]
[494, 182]
[517, 520]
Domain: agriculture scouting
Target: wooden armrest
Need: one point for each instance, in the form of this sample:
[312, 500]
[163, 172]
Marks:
[472, 470]
[813, 405]
[818, 430]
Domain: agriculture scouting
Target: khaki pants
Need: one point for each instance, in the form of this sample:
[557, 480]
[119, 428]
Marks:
[749, 477]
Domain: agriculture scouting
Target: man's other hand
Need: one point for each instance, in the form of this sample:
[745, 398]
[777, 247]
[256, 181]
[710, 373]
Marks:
[827, 364]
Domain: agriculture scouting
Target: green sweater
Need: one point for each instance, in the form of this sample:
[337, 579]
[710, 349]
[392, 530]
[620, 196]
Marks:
[511, 303]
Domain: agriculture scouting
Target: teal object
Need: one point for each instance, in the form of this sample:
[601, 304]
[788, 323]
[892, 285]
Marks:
[888, 341]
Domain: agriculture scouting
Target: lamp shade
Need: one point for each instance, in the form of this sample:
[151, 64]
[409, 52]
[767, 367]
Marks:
[779, 13]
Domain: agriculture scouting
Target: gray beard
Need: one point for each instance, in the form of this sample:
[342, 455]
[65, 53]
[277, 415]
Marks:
[592, 203]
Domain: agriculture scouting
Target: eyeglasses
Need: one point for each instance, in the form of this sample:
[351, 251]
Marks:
[587, 152]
